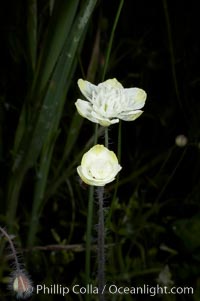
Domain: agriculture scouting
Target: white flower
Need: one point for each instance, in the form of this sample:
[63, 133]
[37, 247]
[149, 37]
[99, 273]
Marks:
[99, 166]
[109, 102]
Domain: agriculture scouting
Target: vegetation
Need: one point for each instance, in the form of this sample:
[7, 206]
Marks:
[152, 211]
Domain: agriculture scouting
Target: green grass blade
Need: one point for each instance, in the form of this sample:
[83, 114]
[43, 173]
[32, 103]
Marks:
[62, 78]
[47, 116]
[64, 13]
[32, 32]
[57, 32]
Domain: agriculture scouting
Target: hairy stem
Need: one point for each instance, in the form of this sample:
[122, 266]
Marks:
[89, 234]
[101, 245]
[14, 253]
[89, 223]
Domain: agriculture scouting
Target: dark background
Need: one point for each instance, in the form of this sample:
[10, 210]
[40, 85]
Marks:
[155, 219]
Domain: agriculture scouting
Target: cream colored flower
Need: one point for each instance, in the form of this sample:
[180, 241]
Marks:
[99, 166]
[109, 101]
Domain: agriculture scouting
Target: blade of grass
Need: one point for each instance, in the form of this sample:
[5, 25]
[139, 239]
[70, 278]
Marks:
[32, 32]
[40, 185]
[48, 117]
[61, 78]
[64, 13]
[57, 32]
[35, 121]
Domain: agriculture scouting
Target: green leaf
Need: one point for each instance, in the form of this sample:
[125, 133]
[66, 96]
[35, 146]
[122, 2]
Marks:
[46, 111]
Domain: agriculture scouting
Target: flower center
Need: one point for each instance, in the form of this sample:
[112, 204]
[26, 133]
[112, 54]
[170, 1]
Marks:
[108, 101]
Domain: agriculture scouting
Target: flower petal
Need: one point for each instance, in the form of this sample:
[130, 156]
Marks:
[92, 181]
[86, 179]
[130, 116]
[84, 108]
[111, 83]
[135, 98]
[87, 88]
[103, 120]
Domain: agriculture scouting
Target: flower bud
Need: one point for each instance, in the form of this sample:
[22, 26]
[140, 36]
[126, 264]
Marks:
[99, 166]
[21, 285]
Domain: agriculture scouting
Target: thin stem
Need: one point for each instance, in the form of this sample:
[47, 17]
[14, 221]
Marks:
[88, 234]
[106, 136]
[172, 56]
[119, 141]
[101, 245]
[96, 133]
[14, 253]
[111, 39]
[89, 223]
[170, 177]
[117, 179]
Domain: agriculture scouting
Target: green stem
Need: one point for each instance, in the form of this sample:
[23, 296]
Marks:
[106, 136]
[119, 143]
[111, 39]
[172, 56]
[96, 133]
